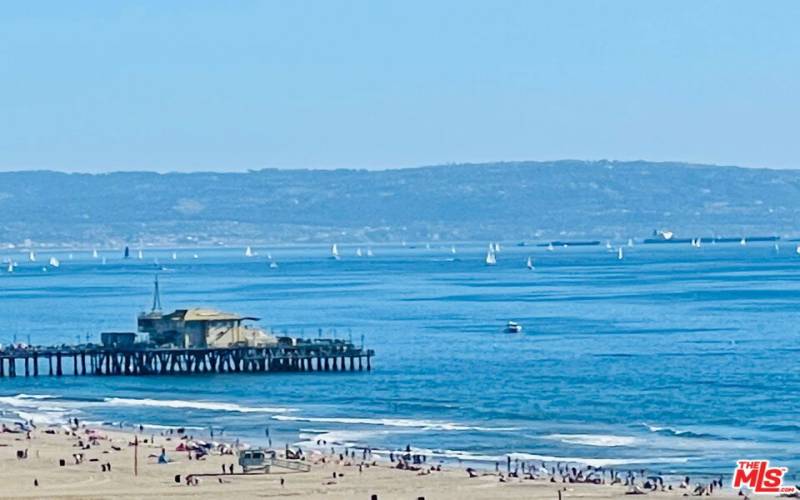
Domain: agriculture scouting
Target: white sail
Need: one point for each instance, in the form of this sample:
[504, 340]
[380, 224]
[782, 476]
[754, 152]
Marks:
[630, 242]
[743, 242]
[273, 265]
[32, 256]
[529, 264]
[140, 255]
[490, 258]
[452, 249]
[195, 256]
[269, 255]
[174, 255]
[369, 252]
[550, 247]
[358, 252]
[776, 247]
[248, 252]
[11, 265]
[608, 245]
[55, 262]
[619, 253]
[697, 243]
[335, 252]
[497, 248]
[94, 253]
[797, 250]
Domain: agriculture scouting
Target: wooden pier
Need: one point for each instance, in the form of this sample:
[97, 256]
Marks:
[309, 356]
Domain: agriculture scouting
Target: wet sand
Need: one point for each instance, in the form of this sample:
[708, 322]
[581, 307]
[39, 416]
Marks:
[87, 481]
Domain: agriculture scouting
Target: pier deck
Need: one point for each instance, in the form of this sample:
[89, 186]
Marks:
[99, 360]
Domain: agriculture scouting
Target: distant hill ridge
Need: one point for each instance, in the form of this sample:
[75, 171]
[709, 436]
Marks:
[507, 201]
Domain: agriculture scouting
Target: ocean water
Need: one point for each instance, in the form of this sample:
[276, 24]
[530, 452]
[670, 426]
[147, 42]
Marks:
[674, 358]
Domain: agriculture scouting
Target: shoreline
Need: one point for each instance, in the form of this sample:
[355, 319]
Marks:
[333, 475]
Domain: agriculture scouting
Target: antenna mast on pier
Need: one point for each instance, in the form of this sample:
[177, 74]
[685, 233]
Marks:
[156, 296]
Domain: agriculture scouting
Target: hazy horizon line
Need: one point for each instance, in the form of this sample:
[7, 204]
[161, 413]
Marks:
[378, 169]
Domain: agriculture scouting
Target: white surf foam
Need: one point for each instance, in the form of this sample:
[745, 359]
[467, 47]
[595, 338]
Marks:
[197, 405]
[601, 440]
[347, 438]
[394, 422]
[24, 400]
[33, 407]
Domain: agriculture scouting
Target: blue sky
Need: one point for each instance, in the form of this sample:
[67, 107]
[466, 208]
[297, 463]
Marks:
[160, 85]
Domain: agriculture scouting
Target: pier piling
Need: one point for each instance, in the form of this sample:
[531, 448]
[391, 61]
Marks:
[315, 356]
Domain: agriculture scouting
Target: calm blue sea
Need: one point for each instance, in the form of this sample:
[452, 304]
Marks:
[674, 358]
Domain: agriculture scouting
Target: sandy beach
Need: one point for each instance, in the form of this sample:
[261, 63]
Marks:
[38, 473]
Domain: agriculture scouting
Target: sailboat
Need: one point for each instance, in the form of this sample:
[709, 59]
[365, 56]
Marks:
[94, 253]
[358, 252]
[174, 255]
[195, 256]
[608, 245]
[497, 248]
[55, 262]
[127, 253]
[776, 247]
[369, 252]
[491, 259]
[269, 255]
[104, 261]
[453, 249]
[32, 256]
[335, 252]
[11, 264]
[743, 242]
[619, 253]
[630, 242]
[529, 264]
[140, 256]
[797, 250]
[550, 247]
[248, 252]
[273, 264]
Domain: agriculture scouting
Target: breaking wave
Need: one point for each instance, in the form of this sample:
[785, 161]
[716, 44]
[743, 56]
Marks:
[671, 431]
[602, 440]
[395, 422]
[196, 405]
